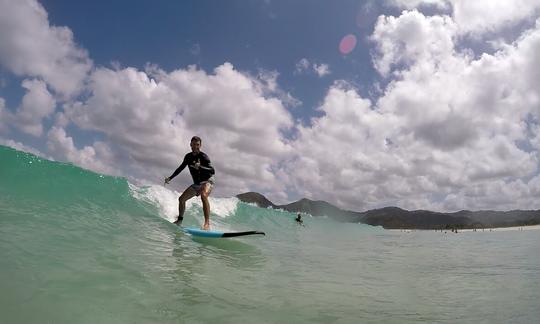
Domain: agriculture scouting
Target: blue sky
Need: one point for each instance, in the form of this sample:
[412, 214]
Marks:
[268, 35]
[435, 107]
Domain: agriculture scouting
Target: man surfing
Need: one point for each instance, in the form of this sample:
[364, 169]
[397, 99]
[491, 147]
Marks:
[299, 220]
[202, 172]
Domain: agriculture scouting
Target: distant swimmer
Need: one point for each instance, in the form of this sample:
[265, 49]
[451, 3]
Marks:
[202, 172]
[299, 220]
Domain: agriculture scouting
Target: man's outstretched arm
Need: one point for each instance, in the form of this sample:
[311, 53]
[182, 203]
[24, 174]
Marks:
[177, 171]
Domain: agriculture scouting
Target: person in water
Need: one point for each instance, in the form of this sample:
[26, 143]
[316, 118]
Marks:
[299, 220]
[202, 172]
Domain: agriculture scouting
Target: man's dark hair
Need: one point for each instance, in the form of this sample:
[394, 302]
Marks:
[196, 138]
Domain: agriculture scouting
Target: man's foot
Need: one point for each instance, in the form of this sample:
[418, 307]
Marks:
[179, 221]
[206, 227]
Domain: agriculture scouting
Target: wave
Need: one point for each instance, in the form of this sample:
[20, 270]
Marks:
[56, 187]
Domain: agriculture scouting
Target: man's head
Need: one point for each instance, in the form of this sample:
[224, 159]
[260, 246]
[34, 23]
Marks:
[195, 144]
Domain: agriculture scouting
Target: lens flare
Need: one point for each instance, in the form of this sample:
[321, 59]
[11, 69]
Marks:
[347, 44]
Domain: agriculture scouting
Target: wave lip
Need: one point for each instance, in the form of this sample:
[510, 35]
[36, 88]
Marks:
[166, 202]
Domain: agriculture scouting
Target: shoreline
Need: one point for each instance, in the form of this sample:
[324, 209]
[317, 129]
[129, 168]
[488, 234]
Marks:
[487, 229]
[503, 229]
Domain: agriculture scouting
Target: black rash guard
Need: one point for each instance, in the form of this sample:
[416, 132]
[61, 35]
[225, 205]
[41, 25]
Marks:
[205, 171]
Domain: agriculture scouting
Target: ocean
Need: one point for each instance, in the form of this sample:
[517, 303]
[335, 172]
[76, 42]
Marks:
[80, 247]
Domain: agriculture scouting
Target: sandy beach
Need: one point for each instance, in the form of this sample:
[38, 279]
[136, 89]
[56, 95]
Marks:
[500, 229]
[494, 229]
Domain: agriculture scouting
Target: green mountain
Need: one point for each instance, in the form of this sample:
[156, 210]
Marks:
[397, 218]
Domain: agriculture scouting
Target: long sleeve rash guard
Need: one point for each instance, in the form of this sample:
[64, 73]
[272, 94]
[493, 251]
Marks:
[205, 171]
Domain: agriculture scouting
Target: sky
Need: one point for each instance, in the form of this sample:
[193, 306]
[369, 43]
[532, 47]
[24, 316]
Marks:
[420, 104]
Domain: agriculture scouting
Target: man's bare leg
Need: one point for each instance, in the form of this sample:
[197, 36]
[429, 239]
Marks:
[205, 192]
[186, 195]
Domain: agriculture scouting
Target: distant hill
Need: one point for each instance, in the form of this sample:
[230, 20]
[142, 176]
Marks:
[321, 208]
[397, 218]
[256, 198]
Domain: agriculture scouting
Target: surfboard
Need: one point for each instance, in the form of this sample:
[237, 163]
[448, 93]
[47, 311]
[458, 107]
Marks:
[217, 234]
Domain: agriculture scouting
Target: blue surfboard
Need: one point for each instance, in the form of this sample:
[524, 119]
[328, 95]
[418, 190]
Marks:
[217, 234]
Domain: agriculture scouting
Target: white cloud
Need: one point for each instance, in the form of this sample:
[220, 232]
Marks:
[21, 147]
[302, 66]
[321, 69]
[95, 158]
[150, 121]
[487, 15]
[266, 83]
[30, 46]
[504, 195]
[444, 134]
[339, 150]
[535, 136]
[4, 116]
[305, 66]
[450, 130]
[37, 104]
[411, 38]
[480, 16]
[411, 4]
[195, 49]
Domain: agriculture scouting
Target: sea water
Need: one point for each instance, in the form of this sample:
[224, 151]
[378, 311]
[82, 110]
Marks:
[80, 247]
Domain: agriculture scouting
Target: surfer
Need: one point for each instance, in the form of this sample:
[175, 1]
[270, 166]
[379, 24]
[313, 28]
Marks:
[202, 172]
[299, 220]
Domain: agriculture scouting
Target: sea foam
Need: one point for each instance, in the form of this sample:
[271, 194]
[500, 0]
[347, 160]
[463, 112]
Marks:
[167, 201]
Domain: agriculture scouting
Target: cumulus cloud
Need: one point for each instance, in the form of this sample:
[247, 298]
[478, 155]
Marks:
[302, 66]
[30, 46]
[266, 83]
[321, 69]
[339, 150]
[506, 195]
[195, 49]
[444, 134]
[411, 4]
[149, 121]
[480, 16]
[37, 104]
[535, 136]
[412, 38]
[305, 66]
[451, 129]
[3, 116]
[486, 16]
[93, 157]
[21, 147]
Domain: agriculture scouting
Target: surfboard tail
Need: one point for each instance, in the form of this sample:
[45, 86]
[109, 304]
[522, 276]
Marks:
[217, 234]
[243, 233]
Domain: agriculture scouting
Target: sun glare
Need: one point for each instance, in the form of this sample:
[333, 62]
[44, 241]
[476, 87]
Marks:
[347, 44]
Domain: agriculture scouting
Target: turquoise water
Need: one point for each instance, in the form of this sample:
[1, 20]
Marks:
[79, 247]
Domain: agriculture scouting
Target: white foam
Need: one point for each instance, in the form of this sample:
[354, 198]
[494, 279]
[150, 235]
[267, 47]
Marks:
[167, 201]
[223, 207]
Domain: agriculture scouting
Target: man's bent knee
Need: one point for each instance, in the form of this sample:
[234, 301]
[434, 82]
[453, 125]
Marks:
[186, 195]
[182, 199]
